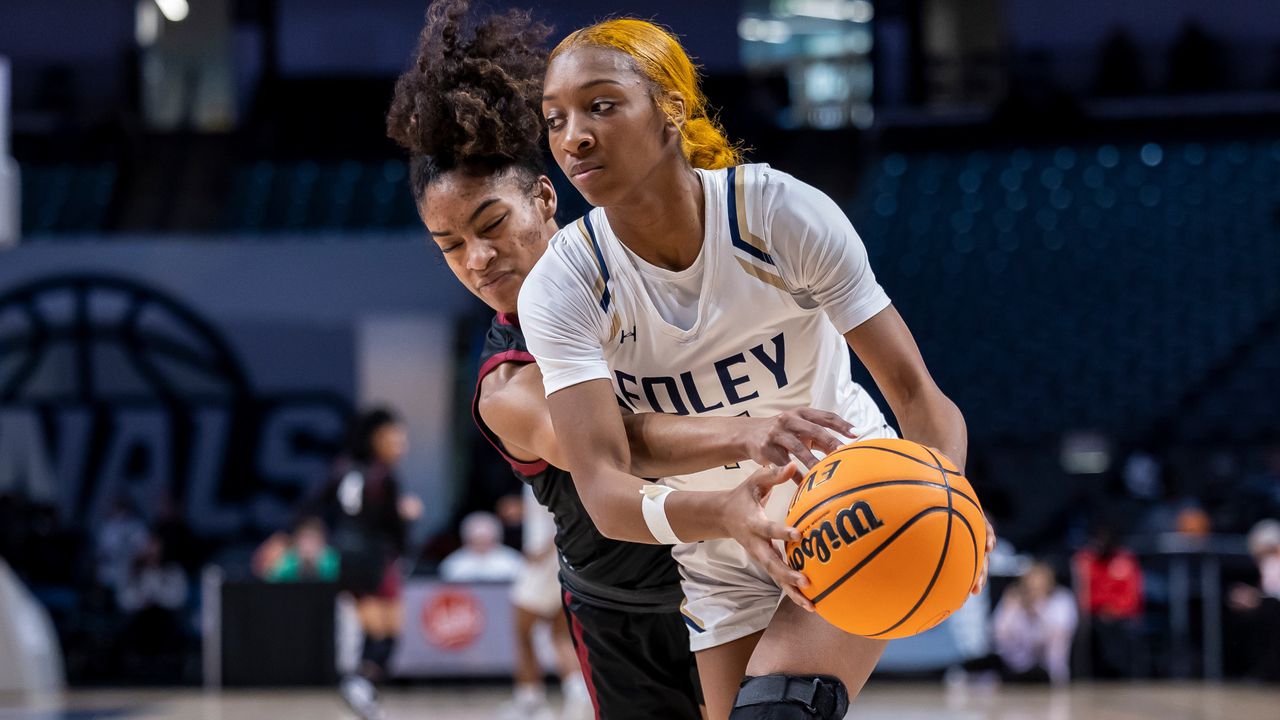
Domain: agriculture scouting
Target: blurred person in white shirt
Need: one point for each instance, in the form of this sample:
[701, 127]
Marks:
[482, 557]
[1033, 627]
[1258, 607]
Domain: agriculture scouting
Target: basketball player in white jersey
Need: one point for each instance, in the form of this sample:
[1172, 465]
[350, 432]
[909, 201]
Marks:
[703, 287]
[468, 109]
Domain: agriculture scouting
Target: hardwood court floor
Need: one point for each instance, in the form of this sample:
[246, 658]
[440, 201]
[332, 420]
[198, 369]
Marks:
[887, 701]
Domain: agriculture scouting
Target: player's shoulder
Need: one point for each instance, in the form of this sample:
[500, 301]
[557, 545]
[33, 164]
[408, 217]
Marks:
[771, 185]
[573, 236]
[765, 195]
[566, 276]
[754, 185]
[570, 256]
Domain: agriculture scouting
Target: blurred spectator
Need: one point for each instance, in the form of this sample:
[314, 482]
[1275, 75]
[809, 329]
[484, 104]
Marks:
[1109, 583]
[1259, 607]
[120, 539]
[310, 558]
[269, 553]
[1032, 626]
[152, 581]
[152, 596]
[482, 557]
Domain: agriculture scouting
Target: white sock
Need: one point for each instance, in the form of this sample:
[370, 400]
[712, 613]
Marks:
[530, 694]
[574, 687]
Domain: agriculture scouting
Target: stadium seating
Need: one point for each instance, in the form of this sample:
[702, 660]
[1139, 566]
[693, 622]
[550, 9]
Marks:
[1090, 286]
[309, 196]
[66, 199]
[1119, 287]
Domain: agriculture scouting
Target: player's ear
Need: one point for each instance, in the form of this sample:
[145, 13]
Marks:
[545, 198]
[674, 106]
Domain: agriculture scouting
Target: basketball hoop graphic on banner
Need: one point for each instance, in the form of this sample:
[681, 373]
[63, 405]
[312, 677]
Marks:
[112, 391]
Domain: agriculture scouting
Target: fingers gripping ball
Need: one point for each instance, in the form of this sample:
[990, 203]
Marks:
[891, 538]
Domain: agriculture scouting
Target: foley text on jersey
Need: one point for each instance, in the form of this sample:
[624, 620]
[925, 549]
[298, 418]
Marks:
[736, 377]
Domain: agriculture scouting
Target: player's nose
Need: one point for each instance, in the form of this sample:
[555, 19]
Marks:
[576, 138]
[479, 255]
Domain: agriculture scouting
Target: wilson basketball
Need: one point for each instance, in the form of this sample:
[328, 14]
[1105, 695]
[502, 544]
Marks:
[891, 538]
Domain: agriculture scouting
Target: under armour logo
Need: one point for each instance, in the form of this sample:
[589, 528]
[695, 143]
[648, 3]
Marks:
[623, 339]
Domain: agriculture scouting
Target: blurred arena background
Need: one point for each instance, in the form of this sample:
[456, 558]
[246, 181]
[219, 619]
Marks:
[210, 261]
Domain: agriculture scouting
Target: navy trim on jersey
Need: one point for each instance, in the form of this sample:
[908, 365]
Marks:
[604, 269]
[738, 242]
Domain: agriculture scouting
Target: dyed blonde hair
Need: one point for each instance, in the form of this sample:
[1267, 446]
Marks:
[660, 58]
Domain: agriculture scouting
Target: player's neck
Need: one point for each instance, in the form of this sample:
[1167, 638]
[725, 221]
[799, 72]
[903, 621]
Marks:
[663, 220]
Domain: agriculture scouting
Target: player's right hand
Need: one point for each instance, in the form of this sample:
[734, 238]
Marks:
[795, 433]
[744, 518]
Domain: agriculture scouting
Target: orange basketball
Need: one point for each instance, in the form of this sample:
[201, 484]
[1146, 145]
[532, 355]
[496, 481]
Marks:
[891, 538]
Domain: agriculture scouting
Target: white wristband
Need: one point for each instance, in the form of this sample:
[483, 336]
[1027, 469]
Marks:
[654, 506]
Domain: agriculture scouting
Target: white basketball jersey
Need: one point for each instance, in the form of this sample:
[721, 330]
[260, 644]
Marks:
[784, 275]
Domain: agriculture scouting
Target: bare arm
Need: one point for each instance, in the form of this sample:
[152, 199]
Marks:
[513, 405]
[594, 441]
[885, 345]
[595, 448]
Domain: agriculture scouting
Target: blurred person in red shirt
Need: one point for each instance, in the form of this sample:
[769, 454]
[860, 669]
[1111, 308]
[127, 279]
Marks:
[1109, 585]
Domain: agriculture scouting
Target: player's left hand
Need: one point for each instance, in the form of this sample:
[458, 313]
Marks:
[981, 582]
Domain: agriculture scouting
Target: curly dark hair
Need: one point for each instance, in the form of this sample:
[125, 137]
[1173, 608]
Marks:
[472, 100]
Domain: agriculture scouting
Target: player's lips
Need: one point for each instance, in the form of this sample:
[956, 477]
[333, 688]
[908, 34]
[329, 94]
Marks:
[584, 170]
[494, 279]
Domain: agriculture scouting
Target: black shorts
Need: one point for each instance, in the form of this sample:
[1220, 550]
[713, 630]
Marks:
[637, 665]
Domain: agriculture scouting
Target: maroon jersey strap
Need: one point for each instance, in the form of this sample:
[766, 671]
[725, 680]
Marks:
[516, 356]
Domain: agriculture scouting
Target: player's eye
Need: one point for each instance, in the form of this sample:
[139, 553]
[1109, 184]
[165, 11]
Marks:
[554, 122]
[602, 106]
[450, 247]
[494, 225]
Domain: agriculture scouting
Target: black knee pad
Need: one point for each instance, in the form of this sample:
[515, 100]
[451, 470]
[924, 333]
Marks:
[790, 697]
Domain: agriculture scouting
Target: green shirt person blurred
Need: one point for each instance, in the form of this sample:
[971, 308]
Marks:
[311, 558]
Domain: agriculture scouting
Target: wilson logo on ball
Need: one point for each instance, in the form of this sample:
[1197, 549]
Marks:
[848, 525]
[926, 546]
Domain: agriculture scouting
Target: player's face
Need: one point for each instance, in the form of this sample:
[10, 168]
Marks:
[390, 443]
[1039, 581]
[605, 130]
[491, 230]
